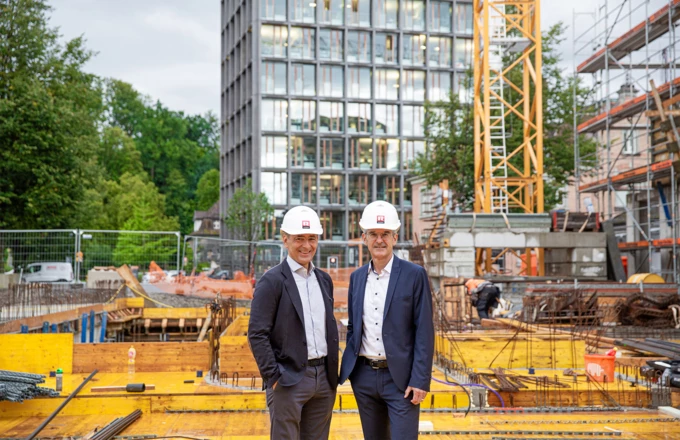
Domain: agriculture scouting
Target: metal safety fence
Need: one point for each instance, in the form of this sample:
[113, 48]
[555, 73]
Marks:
[85, 249]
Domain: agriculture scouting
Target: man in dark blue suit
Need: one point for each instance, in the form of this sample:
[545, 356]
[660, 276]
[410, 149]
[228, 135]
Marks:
[390, 333]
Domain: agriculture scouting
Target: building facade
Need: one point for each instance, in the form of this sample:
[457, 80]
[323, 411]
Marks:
[323, 103]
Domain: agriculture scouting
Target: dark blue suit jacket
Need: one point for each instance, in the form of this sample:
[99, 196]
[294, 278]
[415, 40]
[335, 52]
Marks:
[408, 329]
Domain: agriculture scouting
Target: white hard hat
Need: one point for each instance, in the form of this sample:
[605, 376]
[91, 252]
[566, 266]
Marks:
[301, 220]
[380, 215]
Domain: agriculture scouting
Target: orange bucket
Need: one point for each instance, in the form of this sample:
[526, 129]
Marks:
[599, 367]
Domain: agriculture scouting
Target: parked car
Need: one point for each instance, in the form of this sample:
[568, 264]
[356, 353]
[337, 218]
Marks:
[48, 273]
[220, 275]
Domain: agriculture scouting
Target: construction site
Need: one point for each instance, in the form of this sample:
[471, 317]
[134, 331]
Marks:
[584, 344]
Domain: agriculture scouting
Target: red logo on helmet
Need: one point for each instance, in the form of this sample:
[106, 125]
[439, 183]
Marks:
[305, 224]
[381, 220]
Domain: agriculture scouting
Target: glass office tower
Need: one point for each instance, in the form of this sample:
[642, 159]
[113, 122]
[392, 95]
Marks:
[322, 103]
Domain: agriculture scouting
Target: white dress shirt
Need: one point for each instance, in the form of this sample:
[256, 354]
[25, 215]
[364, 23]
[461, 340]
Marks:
[372, 345]
[313, 308]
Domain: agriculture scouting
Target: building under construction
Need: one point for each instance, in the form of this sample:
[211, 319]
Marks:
[625, 52]
[169, 357]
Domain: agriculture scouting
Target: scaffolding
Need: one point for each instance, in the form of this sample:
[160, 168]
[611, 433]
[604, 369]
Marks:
[621, 50]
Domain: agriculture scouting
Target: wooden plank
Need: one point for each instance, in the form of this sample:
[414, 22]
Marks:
[175, 313]
[151, 356]
[37, 353]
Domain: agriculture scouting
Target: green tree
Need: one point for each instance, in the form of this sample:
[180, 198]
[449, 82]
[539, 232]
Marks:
[117, 154]
[49, 114]
[208, 190]
[449, 154]
[449, 131]
[246, 215]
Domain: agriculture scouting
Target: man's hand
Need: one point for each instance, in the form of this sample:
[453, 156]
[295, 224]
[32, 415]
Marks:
[418, 395]
[274, 386]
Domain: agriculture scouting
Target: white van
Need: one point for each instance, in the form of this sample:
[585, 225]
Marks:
[48, 273]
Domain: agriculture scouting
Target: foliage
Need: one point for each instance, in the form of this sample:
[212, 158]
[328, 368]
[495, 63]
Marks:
[449, 132]
[49, 113]
[208, 190]
[79, 151]
[246, 215]
[449, 155]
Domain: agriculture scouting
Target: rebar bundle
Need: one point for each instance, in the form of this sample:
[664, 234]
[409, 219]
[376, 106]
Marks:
[17, 386]
[117, 426]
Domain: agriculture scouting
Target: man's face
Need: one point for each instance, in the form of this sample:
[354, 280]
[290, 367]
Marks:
[380, 242]
[301, 248]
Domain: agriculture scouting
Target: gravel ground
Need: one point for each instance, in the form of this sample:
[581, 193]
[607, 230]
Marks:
[172, 299]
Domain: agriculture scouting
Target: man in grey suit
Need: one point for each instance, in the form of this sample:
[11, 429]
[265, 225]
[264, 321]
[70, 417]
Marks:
[293, 335]
[390, 334]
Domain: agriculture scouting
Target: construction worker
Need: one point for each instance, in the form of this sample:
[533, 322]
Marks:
[293, 334]
[484, 296]
[390, 334]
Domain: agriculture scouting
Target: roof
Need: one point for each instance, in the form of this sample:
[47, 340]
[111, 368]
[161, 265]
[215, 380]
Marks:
[211, 214]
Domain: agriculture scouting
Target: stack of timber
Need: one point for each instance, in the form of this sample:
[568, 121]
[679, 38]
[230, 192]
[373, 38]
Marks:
[568, 221]
[17, 387]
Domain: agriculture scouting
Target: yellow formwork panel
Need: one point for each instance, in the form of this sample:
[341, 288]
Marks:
[536, 353]
[175, 313]
[37, 353]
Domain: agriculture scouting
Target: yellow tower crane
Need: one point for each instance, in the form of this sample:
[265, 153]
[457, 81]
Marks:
[507, 84]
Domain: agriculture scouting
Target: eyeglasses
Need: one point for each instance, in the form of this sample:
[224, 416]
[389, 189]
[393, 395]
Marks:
[374, 235]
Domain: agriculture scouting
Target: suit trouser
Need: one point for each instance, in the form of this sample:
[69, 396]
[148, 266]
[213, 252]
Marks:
[385, 413]
[302, 411]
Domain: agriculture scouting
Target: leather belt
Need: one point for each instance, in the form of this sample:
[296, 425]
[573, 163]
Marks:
[375, 364]
[316, 362]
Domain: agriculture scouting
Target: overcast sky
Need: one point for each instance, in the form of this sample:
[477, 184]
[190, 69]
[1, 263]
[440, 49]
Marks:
[170, 49]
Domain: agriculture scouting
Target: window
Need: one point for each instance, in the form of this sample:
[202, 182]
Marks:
[387, 84]
[332, 11]
[464, 20]
[388, 189]
[302, 152]
[463, 53]
[426, 202]
[274, 115]
[387, 12]
[303, 79]
[414, 50]
[332, 153]
[331, 81]
[411, 151]
[331, 189]
[386, 48]
[361, 153]
[359, 82]
[330, 45]
[440, 16]
[463, 89]
[303, 11]
[387, 119]
[275, 187]
[273, 151]
[274, 78]
[359, 117]
[333, 224]
[273, 10]
[359, 190]
[387, 157]
[272, 227]
[354, 232]
[630, 143]
[331, 117]
[413, 85]
[414, 117]
[414, 15]
[302, 115]
[302, 43]
[359, 13]
[408, 219]
[439, 86]
[274, 40]
[303, 189]
[359, 47]
[440, 51]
